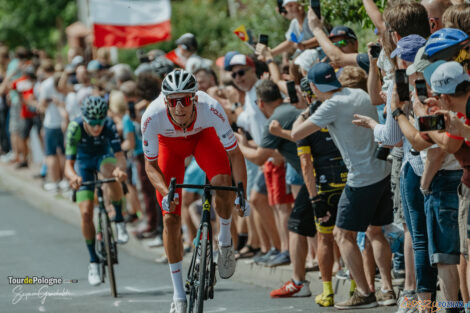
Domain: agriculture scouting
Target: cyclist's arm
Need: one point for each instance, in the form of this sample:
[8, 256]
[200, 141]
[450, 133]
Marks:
[72, 136]
[238, 166]
[156, 176]
[121, 160]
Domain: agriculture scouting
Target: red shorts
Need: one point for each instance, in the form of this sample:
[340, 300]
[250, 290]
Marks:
[207, 150]
[276, 184]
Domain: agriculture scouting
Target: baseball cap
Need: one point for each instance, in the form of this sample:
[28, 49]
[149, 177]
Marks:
[428, 71]
[238, 59]
[407, 47]
[323, 76]
[343, 31]
[288, 1]
[447, 77]
[188, 41]
[419, 64]
[227, 58]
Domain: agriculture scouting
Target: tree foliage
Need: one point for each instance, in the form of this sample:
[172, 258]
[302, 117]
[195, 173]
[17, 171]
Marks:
[35, 23]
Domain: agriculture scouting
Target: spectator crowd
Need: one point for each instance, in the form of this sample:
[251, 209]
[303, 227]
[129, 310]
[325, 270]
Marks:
[358, 163]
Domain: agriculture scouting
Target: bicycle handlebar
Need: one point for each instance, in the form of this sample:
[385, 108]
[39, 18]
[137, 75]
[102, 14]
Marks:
[239, 189]
[99, 182]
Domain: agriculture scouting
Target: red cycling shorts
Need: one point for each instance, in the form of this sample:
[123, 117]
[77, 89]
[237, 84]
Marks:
[206, 148]
[276, 184]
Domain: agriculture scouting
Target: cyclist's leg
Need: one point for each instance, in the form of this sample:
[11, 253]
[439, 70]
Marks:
[171, 163]
[212, 158]
[85, 200]
[107, 164]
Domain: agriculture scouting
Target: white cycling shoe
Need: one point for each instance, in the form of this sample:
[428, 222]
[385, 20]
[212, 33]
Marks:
[179, 306]
[94, 274]
[226, 261]
[121, 233]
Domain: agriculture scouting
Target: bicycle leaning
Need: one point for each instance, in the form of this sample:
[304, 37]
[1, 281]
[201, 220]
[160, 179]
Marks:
[201, 273]
[106, 247]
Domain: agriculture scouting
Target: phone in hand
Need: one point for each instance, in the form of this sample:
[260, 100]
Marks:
[375, 51]
[421, 89]
[403, 89]
[431, 123]
[263, 39]
[292, 92]
[281, 8]
[131, 107]
[315, 4]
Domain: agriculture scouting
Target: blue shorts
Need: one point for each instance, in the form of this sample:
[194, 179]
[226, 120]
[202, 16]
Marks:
[194, 175]
[87, 168]
[442, 212]
[293, 177]
[53, 140]
[255, 179]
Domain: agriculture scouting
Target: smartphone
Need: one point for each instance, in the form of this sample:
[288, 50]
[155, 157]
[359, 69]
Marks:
[131, 107]
[263, 39]
[281, 8]
[375, 51]
[315, 4]
[292, 92]
[421, 89]
[431, 122]
[403, 89]
[314, 106]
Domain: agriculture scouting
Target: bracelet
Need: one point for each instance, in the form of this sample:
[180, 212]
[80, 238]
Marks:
[269, 61]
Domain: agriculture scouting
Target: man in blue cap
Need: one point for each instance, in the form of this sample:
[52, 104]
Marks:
[365, 204]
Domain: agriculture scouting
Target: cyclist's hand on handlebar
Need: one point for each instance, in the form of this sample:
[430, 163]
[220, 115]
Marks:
[170, 206]
[245, 211]
[119, 174]
[75, 182]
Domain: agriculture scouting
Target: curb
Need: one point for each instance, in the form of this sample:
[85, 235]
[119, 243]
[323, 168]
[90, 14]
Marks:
[29, 190]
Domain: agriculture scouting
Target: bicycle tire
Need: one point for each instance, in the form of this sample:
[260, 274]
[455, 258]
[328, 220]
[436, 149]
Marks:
[109, 256]
[201, 293]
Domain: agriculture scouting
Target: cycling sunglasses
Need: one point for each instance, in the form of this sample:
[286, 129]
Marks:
[239, 73]
[184, 101]
[341, 43]
[95, 122]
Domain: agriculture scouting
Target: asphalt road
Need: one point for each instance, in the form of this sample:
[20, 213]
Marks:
[34, 243]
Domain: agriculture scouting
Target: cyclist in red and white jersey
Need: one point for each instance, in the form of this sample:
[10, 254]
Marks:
[182, 122]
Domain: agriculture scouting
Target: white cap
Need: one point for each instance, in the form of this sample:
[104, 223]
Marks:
[288, 1]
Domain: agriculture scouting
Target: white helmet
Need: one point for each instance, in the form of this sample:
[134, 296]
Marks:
[179, 81]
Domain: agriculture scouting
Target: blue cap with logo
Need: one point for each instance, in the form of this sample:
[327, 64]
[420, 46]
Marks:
[407, 47]
[430, 69]
[447, 77]
[323, 76]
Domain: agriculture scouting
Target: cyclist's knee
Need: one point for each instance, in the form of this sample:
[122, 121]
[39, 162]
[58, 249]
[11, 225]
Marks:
[221, 180]
[172, 223]
[106, 170]
[86, 211]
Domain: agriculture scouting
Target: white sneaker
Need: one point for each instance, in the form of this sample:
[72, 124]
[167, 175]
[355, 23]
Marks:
[402, 303]
[94, 274]
[64, 185]
[179, 306]
[121, 233]
[155, 242]
[226, 262]
[51, 187]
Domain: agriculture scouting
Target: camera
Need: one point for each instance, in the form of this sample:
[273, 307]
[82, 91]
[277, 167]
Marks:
[382, 153]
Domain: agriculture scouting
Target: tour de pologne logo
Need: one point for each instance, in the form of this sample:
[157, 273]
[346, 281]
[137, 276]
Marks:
[39, 287]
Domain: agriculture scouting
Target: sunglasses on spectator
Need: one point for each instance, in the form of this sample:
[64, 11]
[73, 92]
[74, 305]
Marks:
[341, 43]
[239, 73]
[95, 122]
[184, 101]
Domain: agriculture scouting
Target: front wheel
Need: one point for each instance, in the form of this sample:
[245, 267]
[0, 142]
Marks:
[201, 293]
[109, 254]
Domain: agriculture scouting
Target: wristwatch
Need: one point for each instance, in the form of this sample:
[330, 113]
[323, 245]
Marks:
[269, 61]
[397, 113]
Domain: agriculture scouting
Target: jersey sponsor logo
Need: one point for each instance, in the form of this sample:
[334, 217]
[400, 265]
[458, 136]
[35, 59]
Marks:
[146, 123]
[217, 113]
[228, 134]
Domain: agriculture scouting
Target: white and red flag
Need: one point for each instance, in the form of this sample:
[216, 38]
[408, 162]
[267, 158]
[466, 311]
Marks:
[130, 23]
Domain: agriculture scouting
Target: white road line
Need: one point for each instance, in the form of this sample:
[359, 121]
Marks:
[7, 233]
[285, 309]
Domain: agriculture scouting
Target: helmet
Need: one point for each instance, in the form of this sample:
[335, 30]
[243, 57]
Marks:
[188, 41]
[444, 43]
[179, 81]
[162, 66]
[94, 108]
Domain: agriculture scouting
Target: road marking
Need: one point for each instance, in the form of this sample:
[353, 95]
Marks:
[41, 309]
[7, 233]
[285, 309]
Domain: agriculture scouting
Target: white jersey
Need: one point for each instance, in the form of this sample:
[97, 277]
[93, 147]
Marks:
[209, 113]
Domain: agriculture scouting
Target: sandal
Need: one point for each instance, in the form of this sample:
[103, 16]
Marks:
[246, 252]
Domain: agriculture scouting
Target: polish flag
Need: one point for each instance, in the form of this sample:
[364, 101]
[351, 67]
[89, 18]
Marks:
[130, 23]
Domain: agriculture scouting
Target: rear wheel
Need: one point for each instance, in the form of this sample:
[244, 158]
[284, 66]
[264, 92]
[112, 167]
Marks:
[109, 254]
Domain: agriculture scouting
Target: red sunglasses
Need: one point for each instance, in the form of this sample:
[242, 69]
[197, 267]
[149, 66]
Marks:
[185, 101]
